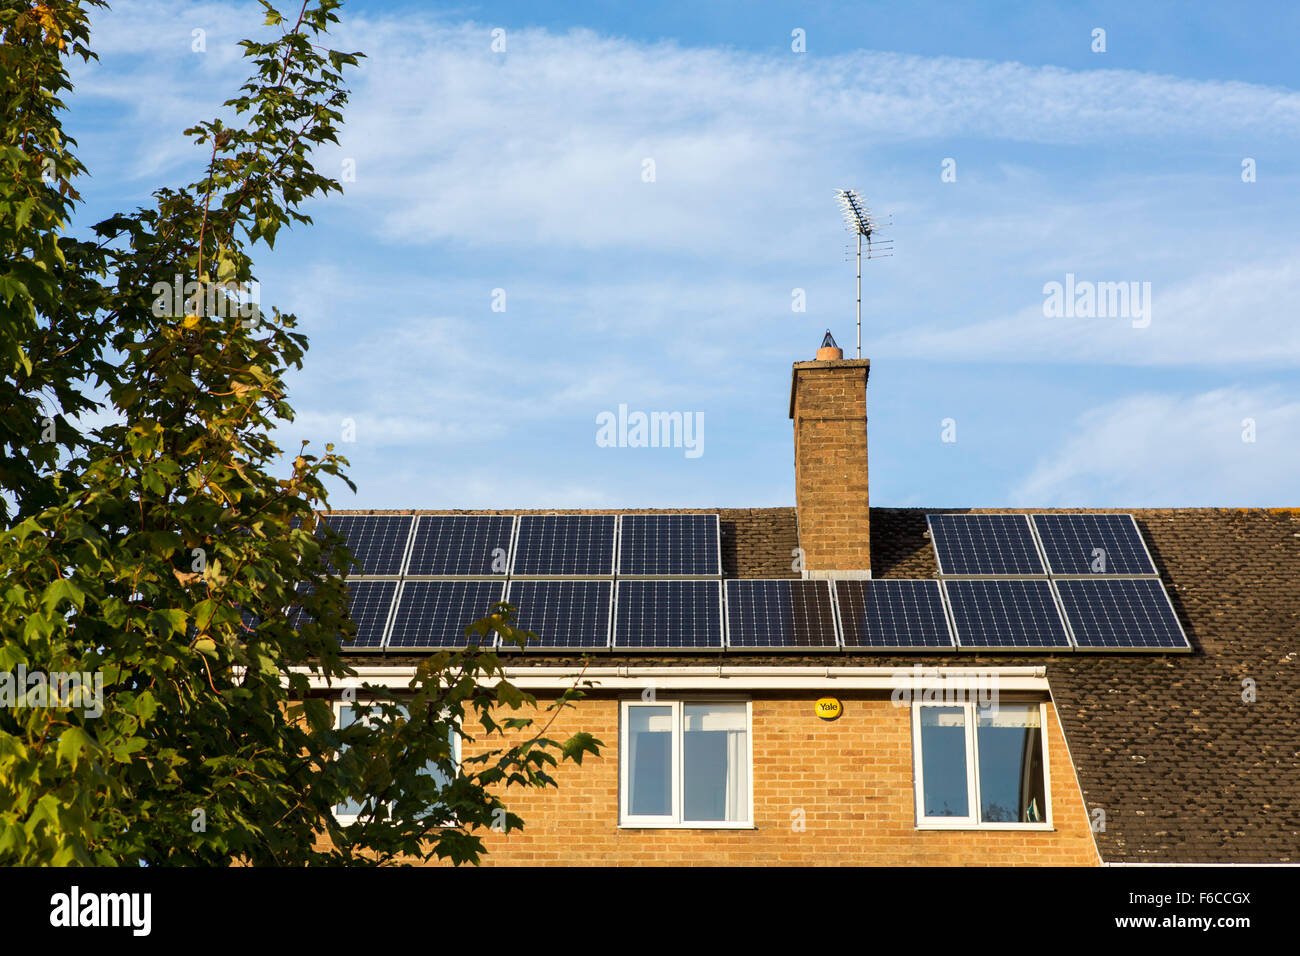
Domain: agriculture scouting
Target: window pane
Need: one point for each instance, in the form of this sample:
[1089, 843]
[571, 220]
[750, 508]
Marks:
[715, 758]
[1010, 746]
[943, 762]
[350, 714]
[649, 767]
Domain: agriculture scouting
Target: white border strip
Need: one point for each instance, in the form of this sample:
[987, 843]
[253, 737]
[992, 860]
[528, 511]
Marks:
[737, 678]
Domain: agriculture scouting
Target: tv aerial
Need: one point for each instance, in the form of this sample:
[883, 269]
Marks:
[860, 221]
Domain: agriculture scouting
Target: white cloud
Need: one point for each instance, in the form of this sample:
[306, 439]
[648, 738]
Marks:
[1244, 314]
[545, 143]
[378, 430]
[408, 487]
[1162, 450]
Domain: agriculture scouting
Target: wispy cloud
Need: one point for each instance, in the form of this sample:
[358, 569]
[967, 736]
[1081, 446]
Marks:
[1156, 450]
[1239, 315]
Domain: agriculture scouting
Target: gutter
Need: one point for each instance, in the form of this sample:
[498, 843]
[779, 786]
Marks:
[739, 678]
[1198, 865]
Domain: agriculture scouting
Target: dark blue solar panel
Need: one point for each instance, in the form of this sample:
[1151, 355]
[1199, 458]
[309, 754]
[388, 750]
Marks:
[575, 545]
[377, 542]
[368, 605]
[468, 545]
[669, 544]
[893, 613]
[1005, 614]
[668, 615]
[1118, 613]
[1093, 544]
[780, 614]
[984, 544]
[565, 615]
[434, 614]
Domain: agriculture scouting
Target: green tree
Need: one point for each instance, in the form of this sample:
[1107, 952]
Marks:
[159, 552]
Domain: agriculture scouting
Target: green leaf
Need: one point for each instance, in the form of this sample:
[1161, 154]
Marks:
[171, 621]
[72, 742]
[60, 590]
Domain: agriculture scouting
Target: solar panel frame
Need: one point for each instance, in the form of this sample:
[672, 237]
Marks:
[1129, 563]
[626, 588]
[952, 568]
[364, 553]
[600, 567]
[626, 565]
[966, 638]
[454, 594]
[417, 557]
[517, 592]
[844, 600]
[1068, 591]
[733, 589]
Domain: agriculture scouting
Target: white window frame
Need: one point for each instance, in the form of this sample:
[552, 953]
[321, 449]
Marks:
[338, 704]
[972, 821]
[675, 821]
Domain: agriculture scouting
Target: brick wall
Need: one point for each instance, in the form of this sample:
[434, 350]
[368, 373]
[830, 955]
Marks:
[828, 403]
[851, 779]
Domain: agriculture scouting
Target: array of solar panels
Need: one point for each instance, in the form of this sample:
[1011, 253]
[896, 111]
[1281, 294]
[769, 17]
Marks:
[579, 582]
[1052, 582]
[653, 582]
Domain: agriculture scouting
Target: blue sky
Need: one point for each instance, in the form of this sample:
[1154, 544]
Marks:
[523, 171]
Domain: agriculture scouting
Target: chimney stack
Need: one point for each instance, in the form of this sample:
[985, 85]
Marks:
[828, 404]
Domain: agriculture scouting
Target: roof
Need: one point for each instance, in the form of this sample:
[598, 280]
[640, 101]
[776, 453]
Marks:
[1184, 768]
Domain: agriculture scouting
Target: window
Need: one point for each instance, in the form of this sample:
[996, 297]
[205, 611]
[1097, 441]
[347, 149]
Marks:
[685, 764]
[980, 766]
[348, 714]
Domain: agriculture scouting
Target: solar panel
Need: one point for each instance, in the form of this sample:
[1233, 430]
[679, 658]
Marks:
[565, 615]
[466, 545]
[1120, 613]
[368, 605]
[377, 542]
[572, 545]
[1006, 614]
[893, 613]
[1093, 544]
[434, 614]
[780, 614]
[984, 544]
[669, 544]
[668, 615]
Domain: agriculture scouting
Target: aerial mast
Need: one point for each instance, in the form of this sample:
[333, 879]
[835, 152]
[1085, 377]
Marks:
[860, 221]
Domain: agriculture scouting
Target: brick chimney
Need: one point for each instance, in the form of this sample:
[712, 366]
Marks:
[828, 403]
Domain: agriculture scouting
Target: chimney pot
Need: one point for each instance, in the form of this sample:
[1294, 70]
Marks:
[829, 351]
